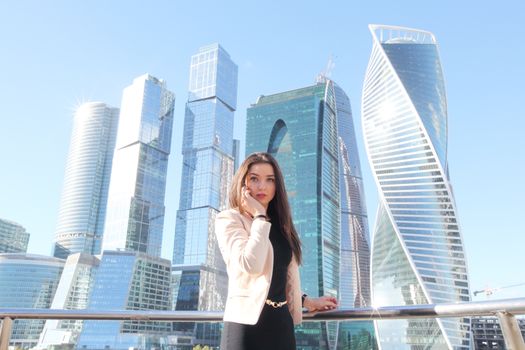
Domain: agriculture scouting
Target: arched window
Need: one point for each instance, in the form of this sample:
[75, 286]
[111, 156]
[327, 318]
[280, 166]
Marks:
[276, 137]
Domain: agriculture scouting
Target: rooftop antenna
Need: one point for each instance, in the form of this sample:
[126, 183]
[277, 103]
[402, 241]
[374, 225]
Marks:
[327, 72]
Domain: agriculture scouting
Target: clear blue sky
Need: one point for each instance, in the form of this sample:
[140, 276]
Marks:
[57, 54]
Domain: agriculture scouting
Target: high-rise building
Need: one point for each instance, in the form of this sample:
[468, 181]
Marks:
[135, 209]
[83, 205]
[28, 281]
[128, 280]
[131, 274]
[487, 333]
[417, 250]
[73, 292]
[355, 246]
[354, 288]
[13, 237]
[199, 273]
[236, 151]
[299, 128]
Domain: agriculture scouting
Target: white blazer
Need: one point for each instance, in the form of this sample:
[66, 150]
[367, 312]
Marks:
[247, 251]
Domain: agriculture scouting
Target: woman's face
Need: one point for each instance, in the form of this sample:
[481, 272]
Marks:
[260, 181]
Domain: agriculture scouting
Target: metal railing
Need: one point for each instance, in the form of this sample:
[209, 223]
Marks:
[505, 310]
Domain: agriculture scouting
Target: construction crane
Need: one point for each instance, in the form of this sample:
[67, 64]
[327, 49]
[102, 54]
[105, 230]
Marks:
[489, 291]
[327, 72]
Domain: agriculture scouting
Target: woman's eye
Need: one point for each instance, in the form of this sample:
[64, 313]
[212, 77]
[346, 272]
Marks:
[253, 179]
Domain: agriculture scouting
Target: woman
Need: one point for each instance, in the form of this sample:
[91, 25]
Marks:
[262, 252]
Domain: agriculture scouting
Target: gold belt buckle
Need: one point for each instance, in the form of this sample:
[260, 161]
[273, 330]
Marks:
[276, 304]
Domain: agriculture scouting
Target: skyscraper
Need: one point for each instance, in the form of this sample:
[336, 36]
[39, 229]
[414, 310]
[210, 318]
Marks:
[131, 274]
[83, 205]
[28, 281]
[355, 246]
[207, 148]
[487, 333]
[299, 128]
[236, 154]
[135, 209]
[13, 237]
[355, 240]
[417, 251]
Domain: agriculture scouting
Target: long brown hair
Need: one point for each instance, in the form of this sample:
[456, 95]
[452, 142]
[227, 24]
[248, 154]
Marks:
[278, 208]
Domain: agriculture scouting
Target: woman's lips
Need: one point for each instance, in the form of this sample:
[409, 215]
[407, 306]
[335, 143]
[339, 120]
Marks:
[260, 195]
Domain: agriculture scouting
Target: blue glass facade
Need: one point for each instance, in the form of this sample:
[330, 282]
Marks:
[13, 237]
[132, 281]
[131, 274]
[83, 205]
[355, 246]
[417, 255]
[355, 241]
[28, 281]
[199, 273]
[73, 292]
[135, 210]
[299, 128]
[236, 154]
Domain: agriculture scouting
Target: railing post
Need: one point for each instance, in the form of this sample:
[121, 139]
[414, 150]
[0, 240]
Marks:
[5, 332]
[511, 331]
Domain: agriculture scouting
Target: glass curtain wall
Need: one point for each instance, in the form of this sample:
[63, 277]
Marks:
[417, 254]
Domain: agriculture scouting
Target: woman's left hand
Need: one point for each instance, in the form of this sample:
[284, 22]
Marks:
[323, 303]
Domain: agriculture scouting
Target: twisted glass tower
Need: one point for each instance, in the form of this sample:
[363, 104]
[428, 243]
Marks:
[83, 205]
[417, 250]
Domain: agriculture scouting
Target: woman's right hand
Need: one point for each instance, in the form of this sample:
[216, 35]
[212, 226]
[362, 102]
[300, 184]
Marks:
[324, 303]
[250, 204]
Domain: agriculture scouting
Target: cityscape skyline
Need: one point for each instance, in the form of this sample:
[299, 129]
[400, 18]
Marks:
[464, 96]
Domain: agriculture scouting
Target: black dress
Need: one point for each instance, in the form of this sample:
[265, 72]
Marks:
[274, 330]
